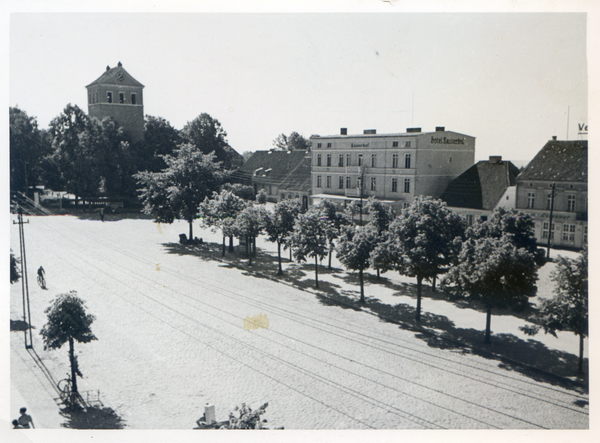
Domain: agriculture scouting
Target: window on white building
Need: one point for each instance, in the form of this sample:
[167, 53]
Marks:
[348, 159]
[348, 182]
[394, 160]
[373, 160]
[373, 184]
[328, 182]
[407, 185]
[328, 159]
[394, 185]
[341, 160]
[394, 144]
[318, 181]
[359, 159]
[108, 96]
[341, 182]
[407, 161]
[407, 144]
[568, 232]
[133, 98]
[318, 159]
[329, 145]
[545, 227]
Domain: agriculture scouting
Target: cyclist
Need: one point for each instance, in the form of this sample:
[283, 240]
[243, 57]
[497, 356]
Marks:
[41, 279]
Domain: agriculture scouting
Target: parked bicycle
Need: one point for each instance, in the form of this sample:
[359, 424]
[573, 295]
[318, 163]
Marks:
[64, 390]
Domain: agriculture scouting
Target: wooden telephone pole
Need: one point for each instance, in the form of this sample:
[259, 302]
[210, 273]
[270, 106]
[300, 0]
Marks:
[24, 281]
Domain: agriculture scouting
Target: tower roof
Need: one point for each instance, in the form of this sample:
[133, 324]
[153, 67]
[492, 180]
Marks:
[116, 76]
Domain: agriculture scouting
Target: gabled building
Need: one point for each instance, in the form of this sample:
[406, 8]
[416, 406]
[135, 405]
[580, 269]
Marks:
[390, 167]
[118, 95]
[279, 173]
[554, 185]
[484, 187]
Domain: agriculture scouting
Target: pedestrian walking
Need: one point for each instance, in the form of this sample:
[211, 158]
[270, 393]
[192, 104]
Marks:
[102, 214]
[25, 420]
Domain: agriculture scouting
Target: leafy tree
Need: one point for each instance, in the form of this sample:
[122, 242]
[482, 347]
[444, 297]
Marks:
[294, 142]
[207, 135]
[14, 268]
[380, 218]
[568, 310]
[309, 238]
[74, 141]
[221, 211]
[178, 190]
[28, 146]
[160, 138]
[242, 191]
[420, 242]
[517, 225]
[494, 272]
[68, 322]
[246, 155]
[246, 419]
[334, 220]
[115, 162]
[248, 225]
[354, 248]
[261, 197]
[280, 224]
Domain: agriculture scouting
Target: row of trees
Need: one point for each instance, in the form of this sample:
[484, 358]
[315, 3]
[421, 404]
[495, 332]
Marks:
[493, 262]
[89, 158]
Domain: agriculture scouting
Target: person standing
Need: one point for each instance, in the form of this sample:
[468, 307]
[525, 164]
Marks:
[25, 420]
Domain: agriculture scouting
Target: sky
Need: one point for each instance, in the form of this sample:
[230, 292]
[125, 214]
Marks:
[512, 80]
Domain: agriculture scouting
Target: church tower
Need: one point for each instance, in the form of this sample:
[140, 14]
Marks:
[118, 95]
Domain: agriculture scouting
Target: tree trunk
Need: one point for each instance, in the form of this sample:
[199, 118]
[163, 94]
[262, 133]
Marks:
[231, 243]
[580, 367]
[280, 272]
[362, 288]
[250, 254]
[419, 286]
[254, 246]
[291, 259]
[73, 366]
[246, 244]
[191, 222]
[488, 324]
[316, 273]
[330, 254]
[223, 246]
[433, 283]
[377, 273]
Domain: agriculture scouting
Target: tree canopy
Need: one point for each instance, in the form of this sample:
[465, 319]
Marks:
[310, 238]
[160, 138]
[178, 190]
[354, 248]
[292, 142]
[280, 224]
[568, 309]
[420, 242]
[207, 135]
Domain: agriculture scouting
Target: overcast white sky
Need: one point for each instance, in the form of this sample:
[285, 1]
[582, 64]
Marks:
[507, 79]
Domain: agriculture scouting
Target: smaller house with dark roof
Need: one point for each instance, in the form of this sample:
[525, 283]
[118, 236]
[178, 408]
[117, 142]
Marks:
[553, 189]
[480, 190]
[282, 174]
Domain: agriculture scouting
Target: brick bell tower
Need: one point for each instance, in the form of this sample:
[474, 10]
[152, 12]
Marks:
[118, 95]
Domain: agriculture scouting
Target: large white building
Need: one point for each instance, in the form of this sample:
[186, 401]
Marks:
[391, 167]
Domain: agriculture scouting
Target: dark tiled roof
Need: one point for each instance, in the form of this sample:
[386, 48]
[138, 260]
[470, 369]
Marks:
[300, 178]
[116, 76]
[271, 166]
[481, 186]
[559, 161]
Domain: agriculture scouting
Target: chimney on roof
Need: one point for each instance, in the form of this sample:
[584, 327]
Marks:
[413, 129]
[554, 137]
[370, 131]
[343, 131]
[119, 65]
[495, 159]
[107, 68]
[439, 129]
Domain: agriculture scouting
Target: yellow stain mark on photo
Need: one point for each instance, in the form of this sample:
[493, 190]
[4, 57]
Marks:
[256, 322]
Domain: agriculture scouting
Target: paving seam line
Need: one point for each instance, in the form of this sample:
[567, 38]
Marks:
[417, 328]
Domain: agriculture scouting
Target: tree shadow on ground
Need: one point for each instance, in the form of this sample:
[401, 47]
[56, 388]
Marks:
[92, 417]
[512, 353]
[19, 325]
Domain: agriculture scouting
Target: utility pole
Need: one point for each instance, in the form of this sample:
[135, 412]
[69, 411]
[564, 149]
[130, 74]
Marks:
[550, 230]
[24, 281]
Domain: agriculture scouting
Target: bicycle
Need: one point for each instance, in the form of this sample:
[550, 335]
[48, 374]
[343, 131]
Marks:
[64, 388]
[41, 281]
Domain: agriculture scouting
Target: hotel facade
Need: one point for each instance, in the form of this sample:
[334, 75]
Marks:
[393, 168]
